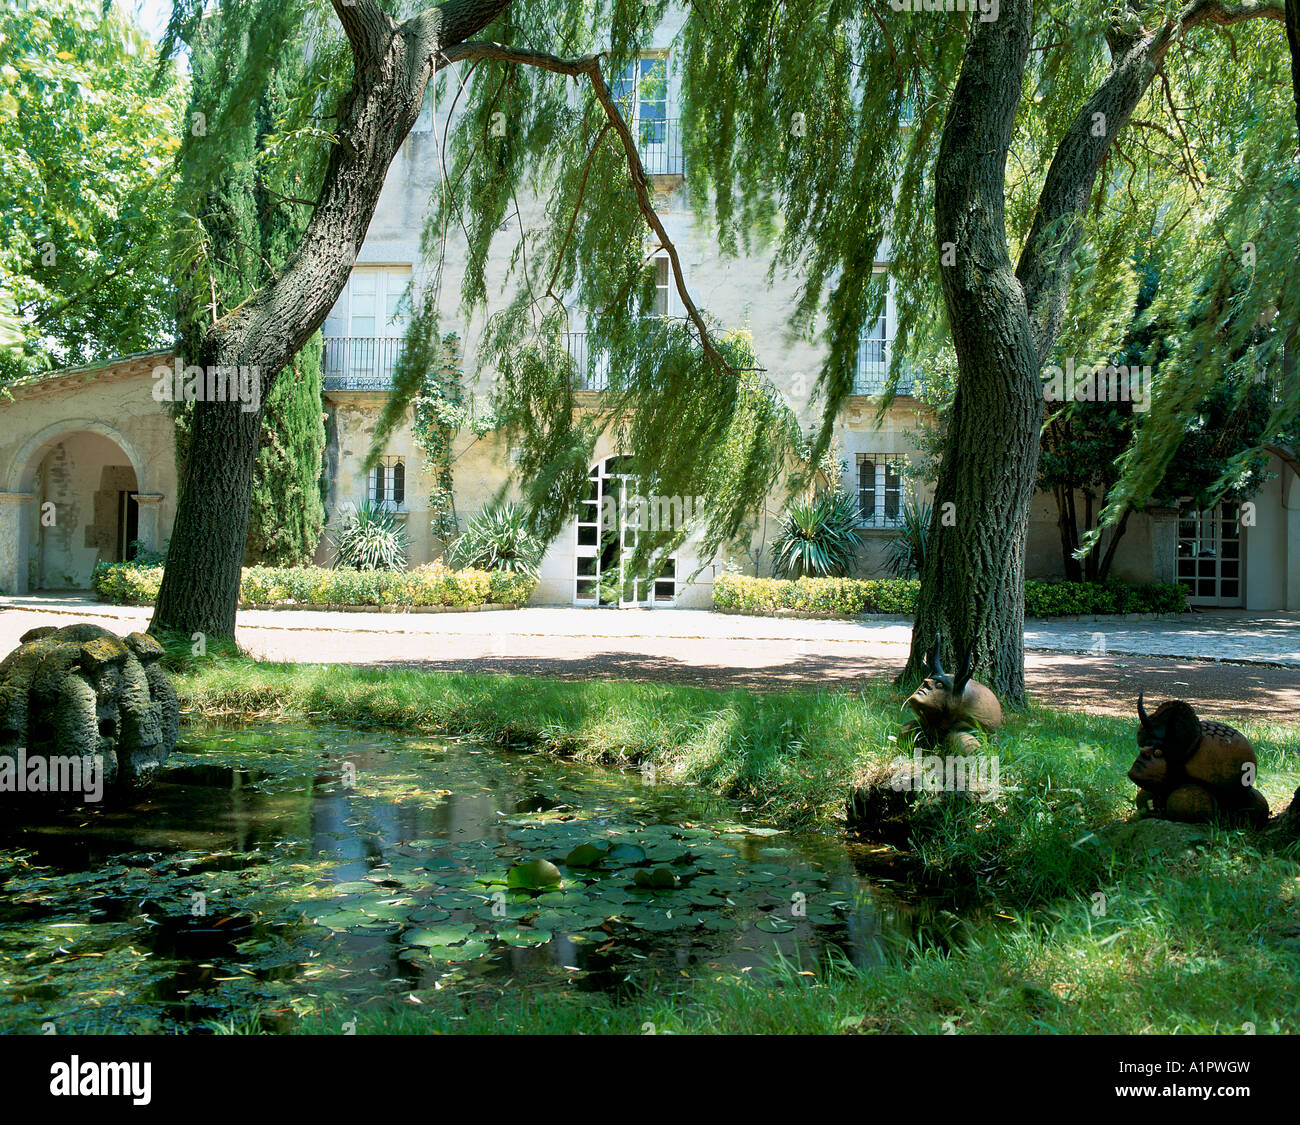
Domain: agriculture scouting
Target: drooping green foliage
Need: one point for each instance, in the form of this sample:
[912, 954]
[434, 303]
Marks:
[698, 416]
[87, 133]
[239, 221]
[810, 134]
[1191, 181]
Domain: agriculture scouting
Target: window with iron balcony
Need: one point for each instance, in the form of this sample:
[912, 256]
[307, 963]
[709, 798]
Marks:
[642, 92]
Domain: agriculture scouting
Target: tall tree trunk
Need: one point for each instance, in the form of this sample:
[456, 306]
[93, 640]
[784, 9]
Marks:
[1117, 533]
[1090, 562]
[972, 586]
[1004, 323]
[1072, 569]
[392, 66]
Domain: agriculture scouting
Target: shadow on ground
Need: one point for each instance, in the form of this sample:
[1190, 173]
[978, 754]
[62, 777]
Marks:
[1104, 685]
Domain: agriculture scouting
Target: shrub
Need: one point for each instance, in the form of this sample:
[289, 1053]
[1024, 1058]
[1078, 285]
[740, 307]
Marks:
[906, 556]
[127, 583]
[818, 539]
[499, 539]
[370, 539]
[434, 584]
[851, 596]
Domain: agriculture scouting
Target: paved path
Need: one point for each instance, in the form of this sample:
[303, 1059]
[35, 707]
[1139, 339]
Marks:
[1065, 663]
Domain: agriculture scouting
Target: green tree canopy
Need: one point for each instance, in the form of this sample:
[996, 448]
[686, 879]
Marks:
[88, 132]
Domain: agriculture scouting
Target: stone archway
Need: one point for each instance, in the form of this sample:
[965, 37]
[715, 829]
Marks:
[77, 492]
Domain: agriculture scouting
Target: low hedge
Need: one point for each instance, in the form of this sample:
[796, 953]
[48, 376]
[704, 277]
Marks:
[430, 585]
[848, 597]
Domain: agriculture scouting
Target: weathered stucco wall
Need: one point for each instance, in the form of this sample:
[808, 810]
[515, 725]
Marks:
[72, 440]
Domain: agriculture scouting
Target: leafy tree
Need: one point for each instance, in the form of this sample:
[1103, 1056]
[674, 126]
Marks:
[1052, 134]
[88, 126]
[237, 227]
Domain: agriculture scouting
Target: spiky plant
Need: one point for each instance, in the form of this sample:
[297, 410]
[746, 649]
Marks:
[818, 539]
[907, 551]
[370, 538]
[500, 538]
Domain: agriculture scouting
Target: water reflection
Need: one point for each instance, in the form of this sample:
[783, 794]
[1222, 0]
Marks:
[316, 853]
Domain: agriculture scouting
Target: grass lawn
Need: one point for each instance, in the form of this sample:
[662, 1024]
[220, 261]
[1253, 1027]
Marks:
[1071, 938]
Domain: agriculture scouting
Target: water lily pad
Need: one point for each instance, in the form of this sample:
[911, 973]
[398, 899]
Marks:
[585, 855]
[659, 878]
[535, 875]
[523, 936]
[448, 934]
[663, 922]
[773, 924]
[566, 922]
[501, 911]
[625, 855]
[468, 951]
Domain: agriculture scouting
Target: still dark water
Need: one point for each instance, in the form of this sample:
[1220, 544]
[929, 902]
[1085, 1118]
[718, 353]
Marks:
[275, 869]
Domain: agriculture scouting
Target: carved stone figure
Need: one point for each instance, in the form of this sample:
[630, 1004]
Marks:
[951, 709]
[81, 690]
[1194, 771]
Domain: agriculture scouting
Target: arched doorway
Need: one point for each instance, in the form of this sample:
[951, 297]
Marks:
[611, 517]
[82, 502]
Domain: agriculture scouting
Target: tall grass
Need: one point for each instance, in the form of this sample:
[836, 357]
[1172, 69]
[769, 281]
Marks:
[789, 757]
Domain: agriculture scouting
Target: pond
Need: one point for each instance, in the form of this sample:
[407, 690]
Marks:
[276, 868]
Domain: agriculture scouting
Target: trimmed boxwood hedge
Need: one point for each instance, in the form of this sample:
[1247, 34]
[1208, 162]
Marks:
[431, 585]
[849, 597]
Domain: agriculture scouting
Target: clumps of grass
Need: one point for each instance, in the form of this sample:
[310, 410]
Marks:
[789, 757]
[1203, 945]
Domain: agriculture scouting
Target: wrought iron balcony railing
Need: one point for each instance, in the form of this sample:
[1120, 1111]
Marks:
[591, 368]
[659, 141]
[872, 374]
[360, 363]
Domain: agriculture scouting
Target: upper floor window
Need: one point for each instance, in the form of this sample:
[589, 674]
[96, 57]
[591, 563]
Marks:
[387, 486]
[880, 488]
[875, 350]
[364, 330]
[642, 92]
[374, 304]
[663, 285]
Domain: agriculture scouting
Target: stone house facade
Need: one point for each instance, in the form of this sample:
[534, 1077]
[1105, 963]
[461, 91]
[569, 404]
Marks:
[96, 443]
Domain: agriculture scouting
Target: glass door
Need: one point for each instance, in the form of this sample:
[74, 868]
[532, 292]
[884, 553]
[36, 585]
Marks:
[608, 530]
[1209, 555]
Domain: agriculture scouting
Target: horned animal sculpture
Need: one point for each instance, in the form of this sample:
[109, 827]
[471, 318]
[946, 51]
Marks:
[1194, 771]
[951, 709]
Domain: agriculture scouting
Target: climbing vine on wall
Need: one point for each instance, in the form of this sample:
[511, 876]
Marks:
[440, 411]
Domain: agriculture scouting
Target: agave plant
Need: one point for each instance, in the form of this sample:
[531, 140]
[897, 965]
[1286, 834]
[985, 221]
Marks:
[370, 539]
[499, 538]
[818, 539]
[907, 550]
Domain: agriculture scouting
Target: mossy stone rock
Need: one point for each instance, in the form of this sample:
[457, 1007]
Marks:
[82, 691]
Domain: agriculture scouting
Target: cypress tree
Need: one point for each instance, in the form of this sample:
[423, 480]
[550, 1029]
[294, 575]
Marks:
[247, 231]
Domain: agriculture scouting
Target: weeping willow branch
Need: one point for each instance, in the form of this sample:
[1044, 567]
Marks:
[589, 67]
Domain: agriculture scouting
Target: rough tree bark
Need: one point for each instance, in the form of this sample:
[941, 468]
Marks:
[392, 65]
[1004, 322]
